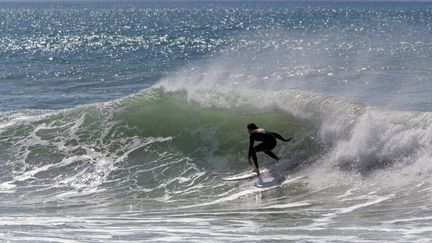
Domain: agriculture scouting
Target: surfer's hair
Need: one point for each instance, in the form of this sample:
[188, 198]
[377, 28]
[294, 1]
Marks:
[252, 126]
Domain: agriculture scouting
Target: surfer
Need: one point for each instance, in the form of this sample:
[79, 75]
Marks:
[268, 142]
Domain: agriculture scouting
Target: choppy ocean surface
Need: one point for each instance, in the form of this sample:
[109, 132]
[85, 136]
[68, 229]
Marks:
[118, 121]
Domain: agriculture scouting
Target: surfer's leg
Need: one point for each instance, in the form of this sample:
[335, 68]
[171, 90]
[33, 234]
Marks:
[267, 147]
[259, 148]
[271, 154]
[255, 161]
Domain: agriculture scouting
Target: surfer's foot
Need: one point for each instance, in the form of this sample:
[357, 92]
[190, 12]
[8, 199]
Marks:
[256, 171]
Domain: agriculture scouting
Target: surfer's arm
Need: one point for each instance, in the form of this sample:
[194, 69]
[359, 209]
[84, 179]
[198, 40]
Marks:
[278, 136]
[251, 144]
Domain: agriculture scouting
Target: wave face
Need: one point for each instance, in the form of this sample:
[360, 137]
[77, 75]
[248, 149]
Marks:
[153, 145]
[170, 145]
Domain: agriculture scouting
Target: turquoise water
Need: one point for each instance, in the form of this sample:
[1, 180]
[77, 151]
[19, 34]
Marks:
[118, 121]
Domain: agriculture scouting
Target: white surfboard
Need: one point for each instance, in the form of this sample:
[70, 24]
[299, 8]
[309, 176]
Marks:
[243, 176]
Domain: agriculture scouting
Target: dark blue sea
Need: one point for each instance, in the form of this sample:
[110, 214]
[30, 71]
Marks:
[118, 121]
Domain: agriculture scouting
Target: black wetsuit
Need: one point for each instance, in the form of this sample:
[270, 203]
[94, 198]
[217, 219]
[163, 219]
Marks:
[268, 140]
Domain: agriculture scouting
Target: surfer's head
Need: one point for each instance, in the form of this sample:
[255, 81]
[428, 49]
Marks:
[251, 127]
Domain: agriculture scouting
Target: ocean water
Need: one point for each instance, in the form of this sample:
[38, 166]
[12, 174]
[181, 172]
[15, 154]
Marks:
[118, 121]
